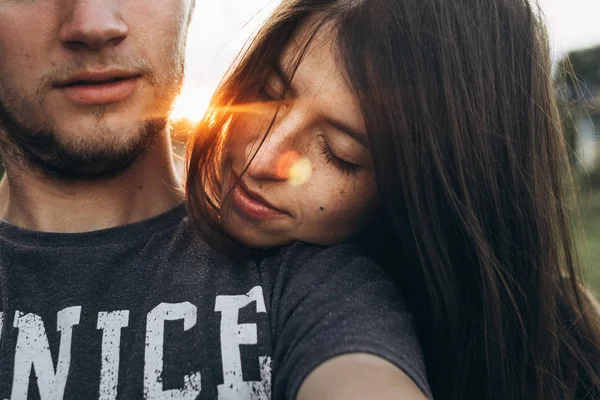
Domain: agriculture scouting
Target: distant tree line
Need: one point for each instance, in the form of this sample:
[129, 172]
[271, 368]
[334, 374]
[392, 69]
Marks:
[578, 82]
[585, 68]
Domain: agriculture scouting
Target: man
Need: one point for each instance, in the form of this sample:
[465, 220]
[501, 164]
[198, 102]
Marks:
[106, 292]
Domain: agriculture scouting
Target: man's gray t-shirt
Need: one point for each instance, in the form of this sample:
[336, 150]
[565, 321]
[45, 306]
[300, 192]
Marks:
[149, 311]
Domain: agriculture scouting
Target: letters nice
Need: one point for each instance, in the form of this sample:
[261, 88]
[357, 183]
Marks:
[32, 351]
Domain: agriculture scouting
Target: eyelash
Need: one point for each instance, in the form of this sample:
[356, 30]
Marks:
[344, 166]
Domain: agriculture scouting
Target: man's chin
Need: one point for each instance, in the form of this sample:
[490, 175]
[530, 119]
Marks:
[81, 161]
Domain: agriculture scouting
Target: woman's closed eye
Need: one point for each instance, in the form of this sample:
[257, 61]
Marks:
[344, 166]
[272, 90]
[267, 93]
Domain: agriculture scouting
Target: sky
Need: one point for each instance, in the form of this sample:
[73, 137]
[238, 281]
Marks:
[220, 29]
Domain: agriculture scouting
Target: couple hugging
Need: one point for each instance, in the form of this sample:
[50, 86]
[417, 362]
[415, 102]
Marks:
[375, 207]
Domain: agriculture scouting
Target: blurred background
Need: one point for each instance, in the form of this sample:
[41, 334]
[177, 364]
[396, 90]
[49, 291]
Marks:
[220, 29]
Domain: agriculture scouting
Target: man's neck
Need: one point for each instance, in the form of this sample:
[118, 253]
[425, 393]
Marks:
[30, 200]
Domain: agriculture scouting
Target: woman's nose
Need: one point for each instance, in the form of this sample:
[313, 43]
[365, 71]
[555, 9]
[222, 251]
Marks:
[271, 157]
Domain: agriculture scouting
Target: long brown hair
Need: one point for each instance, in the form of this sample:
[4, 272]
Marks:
[473, 176]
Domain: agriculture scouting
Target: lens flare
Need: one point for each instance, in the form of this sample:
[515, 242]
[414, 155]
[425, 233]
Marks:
[190, 106]
[300, 172]
[294, 168]
[266, 108]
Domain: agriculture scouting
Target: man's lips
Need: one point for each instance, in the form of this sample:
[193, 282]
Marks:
[251, 203]
[96, 76]
[99, 87]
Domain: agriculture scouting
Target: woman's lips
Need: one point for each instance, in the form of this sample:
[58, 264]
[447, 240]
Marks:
[252, 204]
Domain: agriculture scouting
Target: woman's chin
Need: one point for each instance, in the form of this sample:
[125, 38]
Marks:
[253, 238]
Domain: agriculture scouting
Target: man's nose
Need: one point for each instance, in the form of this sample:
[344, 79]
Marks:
[92, 24]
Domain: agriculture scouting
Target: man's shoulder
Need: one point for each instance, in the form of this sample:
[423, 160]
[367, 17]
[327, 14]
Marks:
[301, 270]
[299, 265]
[183, 248]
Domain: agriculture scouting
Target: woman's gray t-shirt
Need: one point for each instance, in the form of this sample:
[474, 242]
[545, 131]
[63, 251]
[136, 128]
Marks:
[149, 311]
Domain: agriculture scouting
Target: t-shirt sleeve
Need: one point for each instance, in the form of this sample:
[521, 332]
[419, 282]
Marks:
[333, 302]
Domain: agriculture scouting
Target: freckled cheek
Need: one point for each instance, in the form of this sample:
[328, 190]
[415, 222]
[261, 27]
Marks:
[333, 207]
[353, 202]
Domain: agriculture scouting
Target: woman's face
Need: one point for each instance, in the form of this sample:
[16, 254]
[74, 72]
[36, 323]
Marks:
[312, 178]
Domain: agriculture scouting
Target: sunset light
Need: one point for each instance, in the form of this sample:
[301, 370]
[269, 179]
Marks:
[191, 106]
[220, 29]
[218, 32]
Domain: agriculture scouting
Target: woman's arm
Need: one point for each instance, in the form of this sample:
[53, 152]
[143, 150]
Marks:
[358, 376]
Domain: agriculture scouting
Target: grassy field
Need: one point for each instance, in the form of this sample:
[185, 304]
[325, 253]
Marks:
[590, 245]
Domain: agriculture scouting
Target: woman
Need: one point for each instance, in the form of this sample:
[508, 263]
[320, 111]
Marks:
[428, 128]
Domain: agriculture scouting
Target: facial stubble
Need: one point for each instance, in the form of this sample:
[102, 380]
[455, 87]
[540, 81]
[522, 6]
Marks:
[41, 147]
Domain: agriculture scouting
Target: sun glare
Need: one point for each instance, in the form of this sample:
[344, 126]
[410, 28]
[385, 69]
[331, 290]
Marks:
[190, 106]
[294, 168]
[300, 172]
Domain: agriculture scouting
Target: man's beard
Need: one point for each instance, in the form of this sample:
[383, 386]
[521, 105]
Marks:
[40, 146]
[42, 150]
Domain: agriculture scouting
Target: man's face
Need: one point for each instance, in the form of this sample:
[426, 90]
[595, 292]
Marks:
[86, 85]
